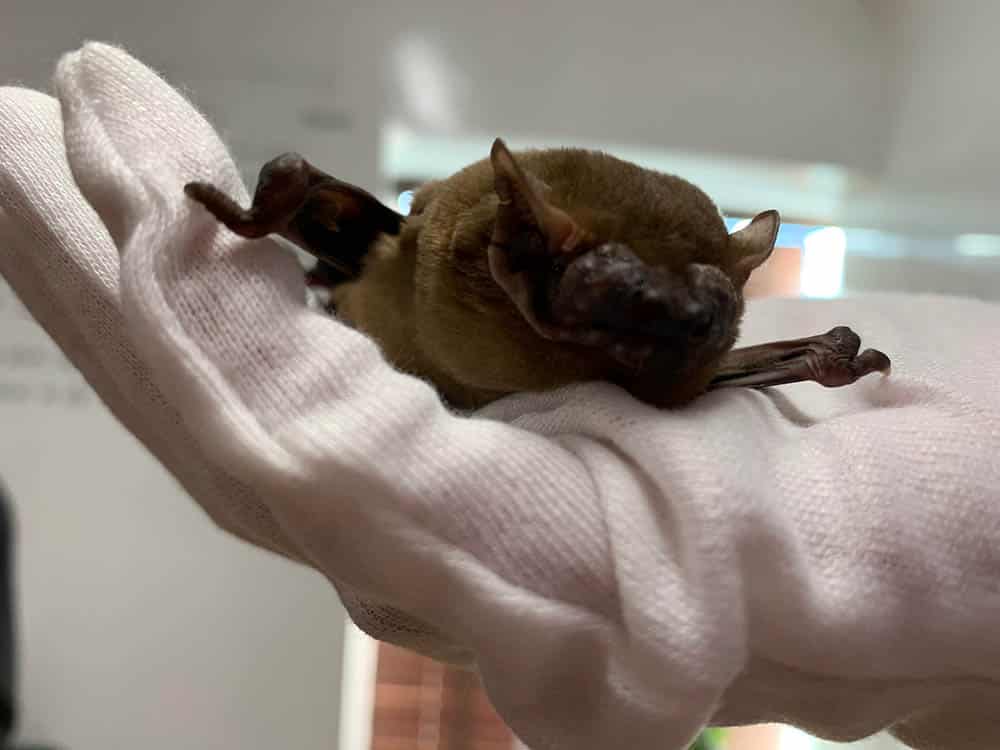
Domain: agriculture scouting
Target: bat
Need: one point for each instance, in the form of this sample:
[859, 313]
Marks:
[528, 272]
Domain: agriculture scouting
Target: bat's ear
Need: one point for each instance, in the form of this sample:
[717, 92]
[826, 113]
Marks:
[523, 207]
[753, 244]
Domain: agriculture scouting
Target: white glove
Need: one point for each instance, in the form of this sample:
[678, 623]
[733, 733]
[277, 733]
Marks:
[619, 575]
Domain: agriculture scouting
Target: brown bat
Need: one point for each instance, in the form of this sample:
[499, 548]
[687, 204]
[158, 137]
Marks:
[531, 272]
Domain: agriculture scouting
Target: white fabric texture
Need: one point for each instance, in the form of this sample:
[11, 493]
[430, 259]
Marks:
[618, 575]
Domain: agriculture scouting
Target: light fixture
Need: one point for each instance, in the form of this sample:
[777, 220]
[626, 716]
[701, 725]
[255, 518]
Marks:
[823, 255]
[404, 201]
[978, 245]
[429, 83]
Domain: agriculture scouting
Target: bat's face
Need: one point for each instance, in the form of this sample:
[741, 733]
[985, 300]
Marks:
[594, 268]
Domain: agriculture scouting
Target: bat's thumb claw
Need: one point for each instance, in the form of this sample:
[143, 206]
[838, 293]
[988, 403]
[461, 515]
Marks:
[872, 360]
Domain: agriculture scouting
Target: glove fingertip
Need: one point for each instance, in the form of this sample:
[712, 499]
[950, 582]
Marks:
[100, 171]
[153, 125]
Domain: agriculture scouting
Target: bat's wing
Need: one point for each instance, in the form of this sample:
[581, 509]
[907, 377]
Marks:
[334, 221]
[830, 359]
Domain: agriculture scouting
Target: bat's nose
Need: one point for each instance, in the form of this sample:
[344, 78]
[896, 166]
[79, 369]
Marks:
[666, 310]
[713, 303]
[694, 305]
[611, 288]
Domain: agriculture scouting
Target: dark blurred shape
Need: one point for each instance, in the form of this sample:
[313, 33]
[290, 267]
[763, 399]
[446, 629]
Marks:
[8, 631]
[421, 704]
[8, 645]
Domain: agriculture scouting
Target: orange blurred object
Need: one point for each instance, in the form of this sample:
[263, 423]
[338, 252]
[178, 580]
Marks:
[779, 277]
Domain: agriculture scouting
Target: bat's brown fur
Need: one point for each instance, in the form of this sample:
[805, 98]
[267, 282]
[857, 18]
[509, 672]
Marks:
[429, 299]
[529, 272]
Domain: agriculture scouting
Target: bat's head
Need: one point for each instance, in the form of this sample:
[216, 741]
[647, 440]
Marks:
[634, 265]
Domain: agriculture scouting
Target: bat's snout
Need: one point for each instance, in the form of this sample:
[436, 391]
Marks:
[715, 304]
[613, 289]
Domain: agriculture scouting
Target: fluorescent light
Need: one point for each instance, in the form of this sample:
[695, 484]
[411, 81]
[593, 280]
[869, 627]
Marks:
[357, 688]
[873, 242]
[822, 272]
[741, 224]
[978, 245]
[404, 201]
[429, 83]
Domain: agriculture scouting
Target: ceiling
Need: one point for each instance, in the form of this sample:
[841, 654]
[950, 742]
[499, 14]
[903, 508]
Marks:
[877, 113]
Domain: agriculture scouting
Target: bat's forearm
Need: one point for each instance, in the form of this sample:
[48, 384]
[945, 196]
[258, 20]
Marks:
[830, 359]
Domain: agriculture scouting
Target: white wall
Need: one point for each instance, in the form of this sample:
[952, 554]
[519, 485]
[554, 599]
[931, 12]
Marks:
[768, 79]
[141, 624]
[979, 278]
[946, 107]
[940, 168]
[895, 93]
[262, 71]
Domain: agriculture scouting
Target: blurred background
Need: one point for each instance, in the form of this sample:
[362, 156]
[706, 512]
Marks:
[870, 124]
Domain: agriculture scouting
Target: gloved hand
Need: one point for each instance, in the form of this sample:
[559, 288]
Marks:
[618, 575]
